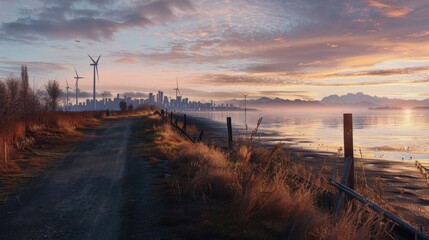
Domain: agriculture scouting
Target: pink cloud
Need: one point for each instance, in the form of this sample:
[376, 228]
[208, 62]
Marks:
[390, 10]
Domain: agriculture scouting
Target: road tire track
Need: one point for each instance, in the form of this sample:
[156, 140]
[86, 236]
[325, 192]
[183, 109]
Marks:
[87, 195]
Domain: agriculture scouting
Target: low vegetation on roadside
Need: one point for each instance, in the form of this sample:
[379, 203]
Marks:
[28, 116]
[34, 129]
[253, 193]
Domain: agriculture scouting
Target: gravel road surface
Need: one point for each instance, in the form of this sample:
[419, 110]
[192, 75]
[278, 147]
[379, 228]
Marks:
[102, 189]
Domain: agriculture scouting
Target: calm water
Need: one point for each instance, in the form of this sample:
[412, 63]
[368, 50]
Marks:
[394, 134]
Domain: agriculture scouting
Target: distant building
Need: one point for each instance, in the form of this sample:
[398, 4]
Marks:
[160, 97]
[151, 99]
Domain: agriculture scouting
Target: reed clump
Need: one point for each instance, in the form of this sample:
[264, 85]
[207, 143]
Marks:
[254, 192]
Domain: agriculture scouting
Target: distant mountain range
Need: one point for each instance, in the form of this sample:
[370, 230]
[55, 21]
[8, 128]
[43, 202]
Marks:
[372, 101]
[350, 99]
[266, 102]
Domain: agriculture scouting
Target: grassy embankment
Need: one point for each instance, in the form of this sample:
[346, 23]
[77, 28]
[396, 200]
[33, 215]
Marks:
[35, 142]
[248, 193]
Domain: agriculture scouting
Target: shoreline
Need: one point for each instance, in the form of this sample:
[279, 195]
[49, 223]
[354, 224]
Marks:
[325, 133]
[399, 182]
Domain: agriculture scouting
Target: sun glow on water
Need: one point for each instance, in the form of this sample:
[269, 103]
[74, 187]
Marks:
[408, 111]
[396, 135]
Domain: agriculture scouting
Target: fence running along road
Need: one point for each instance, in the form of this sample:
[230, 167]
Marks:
[424, 171]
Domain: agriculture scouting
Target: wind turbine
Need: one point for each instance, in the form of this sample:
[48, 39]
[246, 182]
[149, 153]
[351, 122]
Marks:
[67, 95]
[177, 88]
[95, 65]
[245, 109]
[77, 84]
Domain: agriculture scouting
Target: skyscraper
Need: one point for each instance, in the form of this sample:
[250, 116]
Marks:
[151, 99]
[160, 97]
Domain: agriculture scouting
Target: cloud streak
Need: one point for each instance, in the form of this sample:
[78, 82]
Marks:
[86, 94]
[384, 72]
[389, 10]
[135, 94]
[33, 67]
[65, 20]
[227, 79]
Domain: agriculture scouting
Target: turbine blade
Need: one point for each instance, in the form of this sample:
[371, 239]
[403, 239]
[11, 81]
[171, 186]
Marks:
[98, 77]
[76, 72]
[91, 58]
[98, 59]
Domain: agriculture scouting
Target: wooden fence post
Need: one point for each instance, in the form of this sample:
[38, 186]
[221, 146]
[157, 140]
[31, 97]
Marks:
[175, 122]
[5, 151]
[228, 122]
[348, 147]
[171, 117]
[339, 200]
[184, 122]
[201, 136]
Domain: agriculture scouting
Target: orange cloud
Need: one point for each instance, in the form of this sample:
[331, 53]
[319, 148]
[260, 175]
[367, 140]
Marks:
[390, 10]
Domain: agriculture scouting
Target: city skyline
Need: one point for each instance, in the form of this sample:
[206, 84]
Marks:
[219, 49]
[159, 100]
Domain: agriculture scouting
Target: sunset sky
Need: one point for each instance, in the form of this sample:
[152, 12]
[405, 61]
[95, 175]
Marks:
[304, 49]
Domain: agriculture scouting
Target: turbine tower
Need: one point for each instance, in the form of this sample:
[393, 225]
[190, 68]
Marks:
[77, 84]
[67, 95]
[95, 65]
[245, 109]
[177, 88]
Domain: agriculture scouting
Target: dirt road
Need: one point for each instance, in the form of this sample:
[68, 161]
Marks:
[103, 189]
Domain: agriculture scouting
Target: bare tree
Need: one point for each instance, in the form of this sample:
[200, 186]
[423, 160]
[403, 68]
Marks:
[13, 88]
[4, 99]
[25, 90]
[54, 93]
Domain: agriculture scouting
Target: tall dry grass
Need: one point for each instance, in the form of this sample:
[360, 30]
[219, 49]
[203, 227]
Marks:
[24, 117]
[255, 187]
[20, 133]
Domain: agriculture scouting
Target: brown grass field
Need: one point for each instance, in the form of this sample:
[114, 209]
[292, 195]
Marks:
[250, 193]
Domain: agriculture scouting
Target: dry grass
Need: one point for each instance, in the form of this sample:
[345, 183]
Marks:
[21, 133]
[254, 189]
[32, 144]
[355, 224]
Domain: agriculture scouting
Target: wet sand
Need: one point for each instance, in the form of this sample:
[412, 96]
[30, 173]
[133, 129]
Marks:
[400, 183]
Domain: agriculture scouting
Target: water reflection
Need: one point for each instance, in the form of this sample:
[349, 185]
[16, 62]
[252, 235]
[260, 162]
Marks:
[381, 134]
